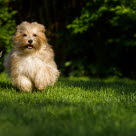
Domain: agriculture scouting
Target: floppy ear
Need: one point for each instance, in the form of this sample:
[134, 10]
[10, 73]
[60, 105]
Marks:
[16, 36]
[13, 37]
[19, 29]
[40, 27]
[22, 25]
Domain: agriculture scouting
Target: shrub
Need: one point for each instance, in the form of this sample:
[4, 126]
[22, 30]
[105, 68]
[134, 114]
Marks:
[7, 27]
[107, 29]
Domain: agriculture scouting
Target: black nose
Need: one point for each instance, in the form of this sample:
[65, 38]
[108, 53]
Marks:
[30, 41]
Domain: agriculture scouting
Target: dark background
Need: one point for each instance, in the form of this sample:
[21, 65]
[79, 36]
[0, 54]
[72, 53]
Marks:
[95, 38]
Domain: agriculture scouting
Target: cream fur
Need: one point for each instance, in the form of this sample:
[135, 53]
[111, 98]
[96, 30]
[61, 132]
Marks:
[31, 68]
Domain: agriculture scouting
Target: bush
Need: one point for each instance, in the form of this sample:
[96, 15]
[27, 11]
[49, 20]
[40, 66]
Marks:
[107, 30]
[7, 27]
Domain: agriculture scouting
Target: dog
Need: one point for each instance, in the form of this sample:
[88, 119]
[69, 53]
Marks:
[30, 63]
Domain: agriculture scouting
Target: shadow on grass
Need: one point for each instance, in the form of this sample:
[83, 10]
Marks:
[4, 85]
[95, 85]
[9, 86]
[119, 86]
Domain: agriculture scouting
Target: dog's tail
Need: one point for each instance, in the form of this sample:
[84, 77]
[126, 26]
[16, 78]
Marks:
[1, 54]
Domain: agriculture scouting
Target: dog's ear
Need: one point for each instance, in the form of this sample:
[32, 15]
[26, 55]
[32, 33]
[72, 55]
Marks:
[19, 29]
[40, 27]
[13, 37]
[22, 25]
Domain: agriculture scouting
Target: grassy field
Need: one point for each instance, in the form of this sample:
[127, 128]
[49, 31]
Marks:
[73, 107]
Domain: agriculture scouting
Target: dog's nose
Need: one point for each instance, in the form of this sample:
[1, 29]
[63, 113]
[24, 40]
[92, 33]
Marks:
[30, 41]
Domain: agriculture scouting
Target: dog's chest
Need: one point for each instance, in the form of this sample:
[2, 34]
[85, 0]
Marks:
[30, 65]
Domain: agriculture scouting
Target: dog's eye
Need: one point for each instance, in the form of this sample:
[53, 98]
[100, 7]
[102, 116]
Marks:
[34, 35]
[24, 35]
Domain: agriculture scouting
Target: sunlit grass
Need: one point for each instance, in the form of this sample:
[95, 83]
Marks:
[73, 107]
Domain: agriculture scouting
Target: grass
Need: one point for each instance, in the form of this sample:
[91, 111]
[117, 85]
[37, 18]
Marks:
[73, 107]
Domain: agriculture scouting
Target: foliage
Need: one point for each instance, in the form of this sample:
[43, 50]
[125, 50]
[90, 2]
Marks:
[99, 42]
[119, 10]
[7, 26]
[74, 106]
[109, 27]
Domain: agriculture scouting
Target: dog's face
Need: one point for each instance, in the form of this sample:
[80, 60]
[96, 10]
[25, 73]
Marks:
[29, 36]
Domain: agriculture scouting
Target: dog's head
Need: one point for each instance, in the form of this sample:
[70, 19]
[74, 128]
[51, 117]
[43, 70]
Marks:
[29, 36]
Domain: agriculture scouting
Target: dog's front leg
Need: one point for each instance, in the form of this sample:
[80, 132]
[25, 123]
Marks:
[22, 82]
[46, 76]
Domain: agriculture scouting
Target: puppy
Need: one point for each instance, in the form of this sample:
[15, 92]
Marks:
[31, 62]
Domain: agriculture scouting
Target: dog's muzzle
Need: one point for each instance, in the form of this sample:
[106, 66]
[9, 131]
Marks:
[29, 46]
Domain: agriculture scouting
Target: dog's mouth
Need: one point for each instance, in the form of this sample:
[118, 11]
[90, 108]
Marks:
[29, 46]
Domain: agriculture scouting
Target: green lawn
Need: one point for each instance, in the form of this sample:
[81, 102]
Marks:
[73, 107]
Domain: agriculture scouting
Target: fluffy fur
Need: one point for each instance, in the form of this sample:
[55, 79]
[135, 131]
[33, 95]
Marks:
[31, 62]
